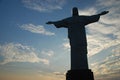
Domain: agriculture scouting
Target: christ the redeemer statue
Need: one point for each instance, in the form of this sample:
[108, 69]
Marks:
[77, 36]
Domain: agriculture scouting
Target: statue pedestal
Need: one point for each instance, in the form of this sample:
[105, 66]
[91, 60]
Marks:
[83, 74]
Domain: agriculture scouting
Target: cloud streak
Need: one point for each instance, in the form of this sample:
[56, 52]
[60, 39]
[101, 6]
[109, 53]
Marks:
[109, 68]
[88, 11]
[43, 5]
[104, 35]
[106, 32]
[12, 52]
[39, 29]
[48, 53]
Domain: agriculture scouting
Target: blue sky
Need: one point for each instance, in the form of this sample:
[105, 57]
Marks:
[32, 50]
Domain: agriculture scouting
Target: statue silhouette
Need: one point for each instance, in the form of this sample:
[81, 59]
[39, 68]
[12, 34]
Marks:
[77, 36]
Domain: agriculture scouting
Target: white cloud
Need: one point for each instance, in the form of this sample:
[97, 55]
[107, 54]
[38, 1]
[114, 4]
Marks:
[106, 32]
[109, 67]
[113, 16]
[59, 73]
[88, 11]
[44, 5]
[108, 3]
[66, 46]
[50, 76]
[36, 29]
[49, 53]
[116, 50]
[101, 36]
[19, 53]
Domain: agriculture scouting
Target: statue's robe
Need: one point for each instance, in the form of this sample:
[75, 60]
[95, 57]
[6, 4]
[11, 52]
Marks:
[77, 37]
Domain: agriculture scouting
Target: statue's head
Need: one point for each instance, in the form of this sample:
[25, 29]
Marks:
[75, 11]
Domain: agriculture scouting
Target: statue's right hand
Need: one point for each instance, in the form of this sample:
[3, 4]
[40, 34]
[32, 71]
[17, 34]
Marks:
[49, 22]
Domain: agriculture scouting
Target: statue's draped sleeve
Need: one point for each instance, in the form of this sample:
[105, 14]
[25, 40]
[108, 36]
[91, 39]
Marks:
[61, 23]
[92, 19]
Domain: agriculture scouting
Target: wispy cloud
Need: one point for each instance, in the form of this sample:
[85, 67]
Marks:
[100, 39]
[12, 52]
[59, 73]
[102, 36]
[108, 3]
[36, 29]
[109, 68]
[66, 46]
[106, 32]
[50, 75]
[43, 5]
[48, 53]
[88, 11]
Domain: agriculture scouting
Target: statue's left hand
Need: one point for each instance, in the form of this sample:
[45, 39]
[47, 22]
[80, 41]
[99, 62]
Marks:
[104, 12]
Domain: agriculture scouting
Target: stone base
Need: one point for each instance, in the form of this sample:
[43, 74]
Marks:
[83, 74]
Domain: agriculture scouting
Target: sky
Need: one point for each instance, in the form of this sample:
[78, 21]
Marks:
[33, 50]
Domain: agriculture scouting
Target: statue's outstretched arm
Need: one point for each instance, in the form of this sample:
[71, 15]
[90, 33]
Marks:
[94, 18]
[103, 13]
